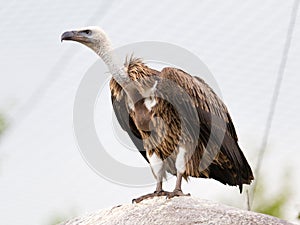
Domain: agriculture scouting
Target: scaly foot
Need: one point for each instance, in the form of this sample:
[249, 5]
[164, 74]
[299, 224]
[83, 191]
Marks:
[151, 195]
[177, 193]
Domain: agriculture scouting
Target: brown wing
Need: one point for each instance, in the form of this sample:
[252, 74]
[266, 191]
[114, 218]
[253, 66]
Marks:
[216, 128]
[123, 116]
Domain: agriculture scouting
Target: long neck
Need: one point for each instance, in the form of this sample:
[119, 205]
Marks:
[114, 65]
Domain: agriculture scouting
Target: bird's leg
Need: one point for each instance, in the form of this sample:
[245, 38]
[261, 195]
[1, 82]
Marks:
[158, 171]
[158, 187]
[158, 192]
[180, 166]
[177, 191]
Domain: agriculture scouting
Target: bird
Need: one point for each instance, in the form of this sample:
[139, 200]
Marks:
[176, 120]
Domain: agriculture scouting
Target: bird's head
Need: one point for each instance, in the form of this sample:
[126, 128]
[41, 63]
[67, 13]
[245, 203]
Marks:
[93, 37]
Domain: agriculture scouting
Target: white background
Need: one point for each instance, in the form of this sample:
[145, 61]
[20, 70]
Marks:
[42, 173]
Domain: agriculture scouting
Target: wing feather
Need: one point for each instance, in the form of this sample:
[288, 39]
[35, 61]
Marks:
[216, 127]
[124, 118]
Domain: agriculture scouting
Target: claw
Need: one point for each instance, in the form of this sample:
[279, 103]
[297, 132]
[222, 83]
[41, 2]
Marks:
[176, 193]
[151, 195]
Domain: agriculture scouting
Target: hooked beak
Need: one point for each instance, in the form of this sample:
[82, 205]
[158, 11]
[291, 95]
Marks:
[74, 36]
[68, 35]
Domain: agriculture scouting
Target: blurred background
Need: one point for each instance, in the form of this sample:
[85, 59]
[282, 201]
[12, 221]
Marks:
[251, 47]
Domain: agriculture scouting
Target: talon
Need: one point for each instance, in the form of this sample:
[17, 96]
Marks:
[151, 195]
[177, 193]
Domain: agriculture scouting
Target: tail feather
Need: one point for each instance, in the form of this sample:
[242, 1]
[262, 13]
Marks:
[231, 166]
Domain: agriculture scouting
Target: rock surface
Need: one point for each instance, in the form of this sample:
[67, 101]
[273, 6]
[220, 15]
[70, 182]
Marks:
[182, 210]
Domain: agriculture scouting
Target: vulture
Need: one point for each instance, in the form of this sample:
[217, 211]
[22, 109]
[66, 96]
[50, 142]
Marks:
[176, 121]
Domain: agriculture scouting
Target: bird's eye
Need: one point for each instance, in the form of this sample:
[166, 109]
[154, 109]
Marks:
[88, 32]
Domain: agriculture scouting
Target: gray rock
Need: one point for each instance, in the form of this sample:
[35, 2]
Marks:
[179, 210]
